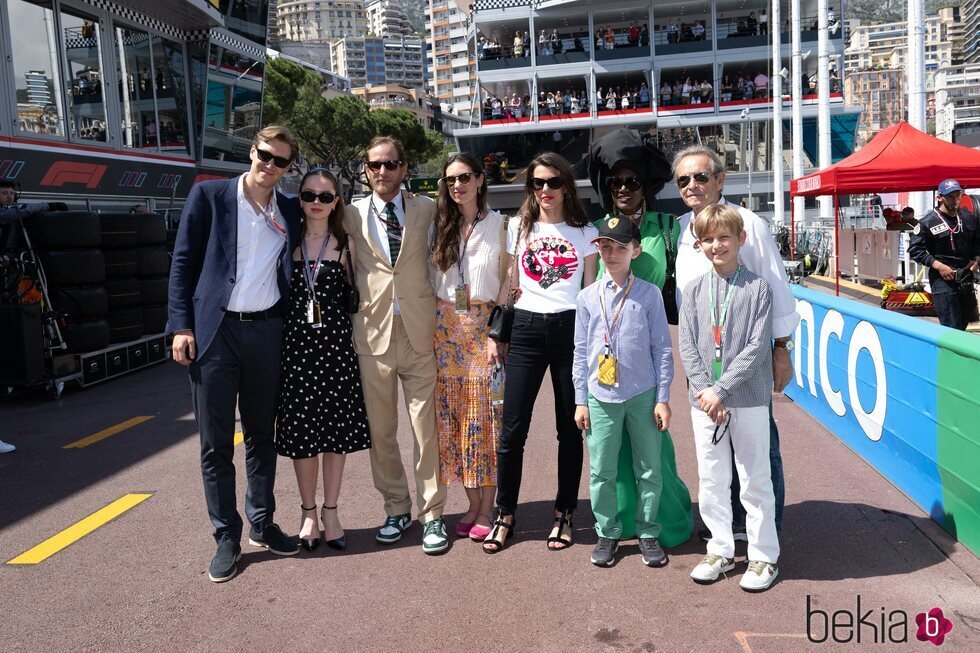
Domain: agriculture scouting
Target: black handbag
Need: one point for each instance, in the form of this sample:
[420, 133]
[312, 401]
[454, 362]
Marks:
[352, 302]
[501, 320]
[669, 290]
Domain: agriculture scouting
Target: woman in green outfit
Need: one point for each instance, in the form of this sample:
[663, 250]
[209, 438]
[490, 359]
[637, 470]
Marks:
[627, 169]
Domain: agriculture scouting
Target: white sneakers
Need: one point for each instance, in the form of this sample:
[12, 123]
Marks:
[757, 578]
[709, 569]
[6, 447]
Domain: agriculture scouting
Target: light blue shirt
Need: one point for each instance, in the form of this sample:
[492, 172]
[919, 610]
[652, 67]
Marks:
[640, 343]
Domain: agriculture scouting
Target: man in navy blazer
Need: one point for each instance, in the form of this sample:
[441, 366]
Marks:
[228, 285]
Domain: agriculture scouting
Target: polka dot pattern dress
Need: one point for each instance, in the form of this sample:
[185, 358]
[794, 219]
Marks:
[321, 405]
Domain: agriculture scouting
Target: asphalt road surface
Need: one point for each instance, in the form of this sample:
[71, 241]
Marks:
[137, 580]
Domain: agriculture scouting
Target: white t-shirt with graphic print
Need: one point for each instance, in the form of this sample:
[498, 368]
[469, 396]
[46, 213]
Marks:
[550, 263]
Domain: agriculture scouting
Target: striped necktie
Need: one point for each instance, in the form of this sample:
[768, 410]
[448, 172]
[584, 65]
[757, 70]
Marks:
[394, 232]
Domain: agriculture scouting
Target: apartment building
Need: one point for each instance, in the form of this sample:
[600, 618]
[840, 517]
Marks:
[885, 46]
[958, 104]
[320, 20]
[451, 62]
[370, 60]
[881, 95]
[970, 12]
[388, 18]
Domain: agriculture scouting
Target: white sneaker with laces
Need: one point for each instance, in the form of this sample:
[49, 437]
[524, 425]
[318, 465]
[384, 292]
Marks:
[709, 569]
[6, 447]
[759, 576]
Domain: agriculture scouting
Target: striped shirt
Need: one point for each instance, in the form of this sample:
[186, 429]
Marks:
[746, 351]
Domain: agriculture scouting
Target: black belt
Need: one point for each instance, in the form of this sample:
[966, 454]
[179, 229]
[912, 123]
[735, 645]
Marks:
[267, 314]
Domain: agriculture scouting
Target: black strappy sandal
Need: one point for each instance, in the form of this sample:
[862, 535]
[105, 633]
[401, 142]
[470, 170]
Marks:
[565, 518]
[493, 538]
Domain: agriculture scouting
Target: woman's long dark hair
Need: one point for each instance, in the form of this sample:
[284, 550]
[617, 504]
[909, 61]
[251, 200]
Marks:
[575, 215]
[335, 221]
[445, 244]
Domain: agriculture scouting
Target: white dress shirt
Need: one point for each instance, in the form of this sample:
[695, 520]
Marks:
[759, 254]
[481, 265]
[378, 231]
[257, 257]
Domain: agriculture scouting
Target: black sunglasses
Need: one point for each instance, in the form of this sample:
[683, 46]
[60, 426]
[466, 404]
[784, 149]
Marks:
[390, 165]
[631, 183]
[450, 180]
[701, 177]
[554, 183]
[310, 196]
[265, 156]
[716, 438]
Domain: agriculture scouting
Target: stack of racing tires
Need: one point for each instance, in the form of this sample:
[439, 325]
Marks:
[107, 275]
[68, 243]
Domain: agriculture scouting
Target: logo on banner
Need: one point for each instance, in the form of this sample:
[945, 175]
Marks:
[808, 184]
[873, 625]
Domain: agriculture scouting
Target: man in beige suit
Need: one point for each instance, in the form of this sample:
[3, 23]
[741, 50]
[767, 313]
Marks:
[393, 337]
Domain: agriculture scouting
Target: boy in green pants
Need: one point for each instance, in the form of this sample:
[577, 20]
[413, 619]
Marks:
[622, 371]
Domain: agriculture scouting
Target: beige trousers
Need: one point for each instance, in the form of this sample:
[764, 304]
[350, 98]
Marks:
[379, 376]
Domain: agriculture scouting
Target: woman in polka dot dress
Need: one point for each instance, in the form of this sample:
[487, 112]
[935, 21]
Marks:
[321, 414]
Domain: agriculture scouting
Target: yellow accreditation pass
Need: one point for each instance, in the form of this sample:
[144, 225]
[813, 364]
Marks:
[461, 299]
[608, 374]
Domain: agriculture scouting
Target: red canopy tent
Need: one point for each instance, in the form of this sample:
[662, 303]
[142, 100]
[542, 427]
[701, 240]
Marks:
[900, 158]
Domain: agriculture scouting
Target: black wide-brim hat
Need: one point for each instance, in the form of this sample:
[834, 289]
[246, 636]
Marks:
[632, 149]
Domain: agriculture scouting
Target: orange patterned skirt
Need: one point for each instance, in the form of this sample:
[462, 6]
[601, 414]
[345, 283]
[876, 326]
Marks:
[469, 426]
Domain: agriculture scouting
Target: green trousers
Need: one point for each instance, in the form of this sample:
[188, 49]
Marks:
[605, 440]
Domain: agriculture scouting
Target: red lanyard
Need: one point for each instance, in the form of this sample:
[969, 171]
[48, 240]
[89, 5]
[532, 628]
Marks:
[387, 223]
[268, 212]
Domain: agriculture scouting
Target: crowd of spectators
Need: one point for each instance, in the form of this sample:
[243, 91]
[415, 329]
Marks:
[686, 90]
[623, 98]
[634, 36]
[683, 32]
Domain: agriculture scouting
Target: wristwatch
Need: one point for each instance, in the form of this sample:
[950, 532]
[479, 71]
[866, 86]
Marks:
[788, 345]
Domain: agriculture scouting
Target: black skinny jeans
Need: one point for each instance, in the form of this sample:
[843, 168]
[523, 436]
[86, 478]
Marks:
[539, 341]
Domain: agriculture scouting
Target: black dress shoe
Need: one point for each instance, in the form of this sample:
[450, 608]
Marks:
[224, 565]
[275, 540]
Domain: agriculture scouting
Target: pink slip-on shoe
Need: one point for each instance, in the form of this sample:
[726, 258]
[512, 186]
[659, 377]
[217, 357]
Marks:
[479, 532]
[463, 527]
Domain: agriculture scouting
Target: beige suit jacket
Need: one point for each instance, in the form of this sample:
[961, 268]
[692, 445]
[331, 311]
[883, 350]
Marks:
[379, 284]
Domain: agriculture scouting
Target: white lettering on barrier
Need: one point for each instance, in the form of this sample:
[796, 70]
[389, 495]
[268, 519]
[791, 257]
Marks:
[808, 184]
[865, 337]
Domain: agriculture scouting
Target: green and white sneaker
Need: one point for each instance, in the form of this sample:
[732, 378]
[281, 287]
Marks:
[709, 569]
[759, 576]
[391, 531]
[434, 538]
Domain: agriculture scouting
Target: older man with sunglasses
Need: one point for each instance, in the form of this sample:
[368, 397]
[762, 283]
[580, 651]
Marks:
[228, 284]
[394, 334]
[700, 176]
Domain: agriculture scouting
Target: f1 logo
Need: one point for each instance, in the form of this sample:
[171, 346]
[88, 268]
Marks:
[68, 172]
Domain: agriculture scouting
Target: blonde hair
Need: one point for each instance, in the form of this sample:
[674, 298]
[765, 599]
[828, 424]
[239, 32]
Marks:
[278, 133]
[718, 217]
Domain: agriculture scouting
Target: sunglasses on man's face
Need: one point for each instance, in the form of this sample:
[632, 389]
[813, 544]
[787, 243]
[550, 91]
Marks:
[554, 183]
[325, 197]
[390, 165]
[631, 183]
[701, 177]
[265, 156]
[450, 180]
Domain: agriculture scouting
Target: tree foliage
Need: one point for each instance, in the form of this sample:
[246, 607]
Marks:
[335, 132]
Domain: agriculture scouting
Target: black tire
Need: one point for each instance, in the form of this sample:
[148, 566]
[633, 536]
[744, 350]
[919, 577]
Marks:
[154, 319]
[125, 324]
[153, 290]
[84, 301]
[123, 293]
[64, 230]
[121, 263]
[119, 230]
[153, 261]
[151, 229]
[74, 267]
[85, 335]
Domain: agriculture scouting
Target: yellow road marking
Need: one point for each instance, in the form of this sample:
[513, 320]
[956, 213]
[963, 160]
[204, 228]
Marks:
[78, 530]
[743, 638]
[109, 432]
[239, 438]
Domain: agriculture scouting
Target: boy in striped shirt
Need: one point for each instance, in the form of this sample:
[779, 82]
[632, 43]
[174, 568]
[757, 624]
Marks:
[725, 336]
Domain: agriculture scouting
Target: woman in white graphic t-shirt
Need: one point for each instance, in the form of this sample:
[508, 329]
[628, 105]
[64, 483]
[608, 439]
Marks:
[550, 249]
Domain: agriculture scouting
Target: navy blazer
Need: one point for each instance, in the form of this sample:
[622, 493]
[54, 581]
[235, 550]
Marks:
[202, 274]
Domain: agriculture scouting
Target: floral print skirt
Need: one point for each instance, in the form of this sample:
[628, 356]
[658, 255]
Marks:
[469, 425]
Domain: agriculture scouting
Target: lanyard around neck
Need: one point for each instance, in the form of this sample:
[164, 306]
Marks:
[465, 243]
[397, 234]
[609, 335]
[311, 269]
[268, 212]
[718, 322]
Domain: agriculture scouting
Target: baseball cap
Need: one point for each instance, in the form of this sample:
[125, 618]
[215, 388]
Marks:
[622, 230]
[949, 186]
